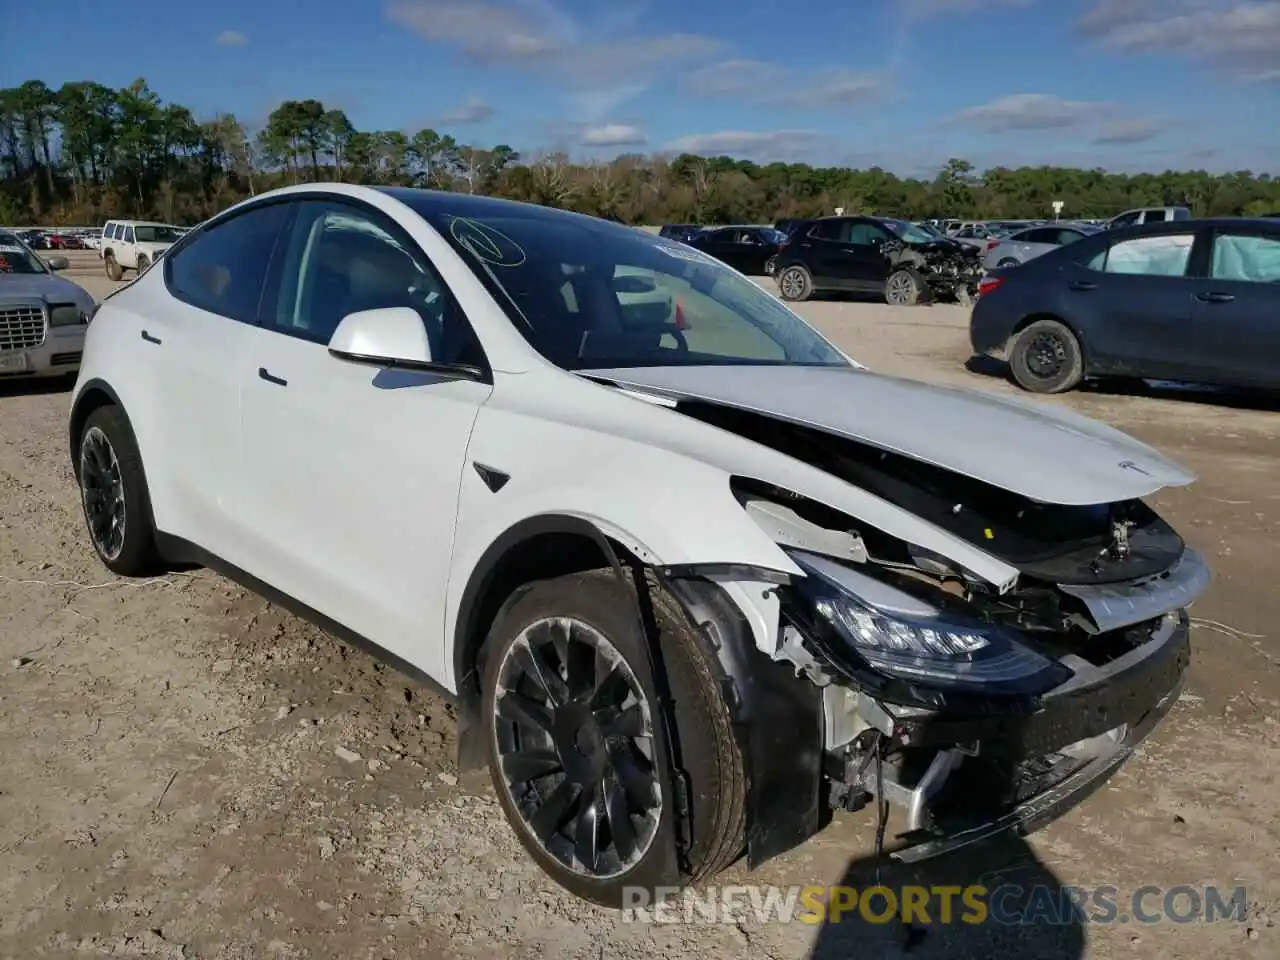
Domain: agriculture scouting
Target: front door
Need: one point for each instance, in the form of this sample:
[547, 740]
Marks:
[351, 472]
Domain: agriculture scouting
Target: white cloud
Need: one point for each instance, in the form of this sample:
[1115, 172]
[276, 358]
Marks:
[769, 84]
[1030, 111]
[474, 110]
[1240, 37]
[1137, 130]
[760, 145]
[604, 62]
[231, 38]
[613, 135]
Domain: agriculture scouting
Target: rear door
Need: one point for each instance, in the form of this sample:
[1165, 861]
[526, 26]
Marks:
[722, 244]
[1137, 295]
[825, 251]
[1236, 307]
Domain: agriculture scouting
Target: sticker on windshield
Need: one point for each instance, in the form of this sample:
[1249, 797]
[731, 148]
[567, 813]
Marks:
[688, 254]
[487, 244]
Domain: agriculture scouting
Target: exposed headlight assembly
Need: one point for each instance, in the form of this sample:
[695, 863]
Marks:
[66, 315]
[906, 638]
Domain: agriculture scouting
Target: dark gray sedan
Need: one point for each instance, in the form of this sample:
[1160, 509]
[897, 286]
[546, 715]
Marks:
[42, 316]
[1027, 244]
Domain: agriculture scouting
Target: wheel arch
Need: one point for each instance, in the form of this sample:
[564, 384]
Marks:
[94, 395]
[777, 716]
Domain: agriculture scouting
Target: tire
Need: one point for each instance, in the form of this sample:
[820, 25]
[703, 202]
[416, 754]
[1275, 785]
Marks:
[1008, 262]
[582, 610]
[795, 283]
[903, 288]
[114, 270]
[1046, 358]
[143, 263]
[116, 502]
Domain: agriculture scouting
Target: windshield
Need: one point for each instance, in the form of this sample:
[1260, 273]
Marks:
[150, 233]
[15, 258]
[909, 232]
[587, 294]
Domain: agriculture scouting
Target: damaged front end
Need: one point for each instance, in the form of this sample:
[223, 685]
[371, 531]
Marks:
[947, 270]
[973, 708]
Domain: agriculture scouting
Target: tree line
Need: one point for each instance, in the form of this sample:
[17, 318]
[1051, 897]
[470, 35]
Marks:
[85, 152]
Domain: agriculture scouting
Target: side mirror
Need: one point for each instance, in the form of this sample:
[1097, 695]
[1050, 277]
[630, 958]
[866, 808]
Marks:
[58, 263]
[389, 337]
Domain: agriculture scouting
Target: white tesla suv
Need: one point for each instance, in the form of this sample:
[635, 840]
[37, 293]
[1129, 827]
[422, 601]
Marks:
[693, 577]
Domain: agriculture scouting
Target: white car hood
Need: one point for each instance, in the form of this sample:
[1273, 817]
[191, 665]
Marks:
[1041, 451]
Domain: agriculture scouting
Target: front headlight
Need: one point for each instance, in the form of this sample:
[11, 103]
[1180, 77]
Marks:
[903, 637]
[67, 315]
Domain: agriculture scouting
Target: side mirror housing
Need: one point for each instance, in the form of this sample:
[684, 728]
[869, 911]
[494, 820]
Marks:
[389, 337]
[58, 263]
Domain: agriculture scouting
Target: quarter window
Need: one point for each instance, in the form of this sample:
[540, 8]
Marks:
[224, 270]
[1251, 259]
[341, 259]
[1160, 256]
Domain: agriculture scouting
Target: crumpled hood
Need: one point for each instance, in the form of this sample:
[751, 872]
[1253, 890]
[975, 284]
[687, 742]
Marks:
[1041, 451]
[42, 286]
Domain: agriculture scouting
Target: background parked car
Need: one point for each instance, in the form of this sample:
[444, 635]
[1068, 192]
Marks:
[134, 245]
[977, 235]
[1026, 244]
[746, 249]
[1192, 300]
[679, 231]
[874, 255]
[1133, 218]
[43, 317]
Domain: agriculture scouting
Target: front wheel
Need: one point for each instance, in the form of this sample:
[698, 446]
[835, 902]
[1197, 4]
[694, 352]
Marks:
[1046, 358]
[576, 738]
[903, 288]
[113, 493]
[113, 269]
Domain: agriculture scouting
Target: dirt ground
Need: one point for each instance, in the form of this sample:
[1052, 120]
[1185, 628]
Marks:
[190, 772]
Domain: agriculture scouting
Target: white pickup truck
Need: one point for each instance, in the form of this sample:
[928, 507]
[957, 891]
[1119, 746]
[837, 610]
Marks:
[134, 245]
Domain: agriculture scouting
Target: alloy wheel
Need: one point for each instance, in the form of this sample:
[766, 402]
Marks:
[900, 289]
[574, 744]
[792, 283]
[102, 491]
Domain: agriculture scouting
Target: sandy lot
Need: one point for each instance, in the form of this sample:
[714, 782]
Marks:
[172, 787]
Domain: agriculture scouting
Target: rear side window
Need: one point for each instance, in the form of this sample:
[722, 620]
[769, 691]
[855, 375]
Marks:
[829, 230]
[224, 270]
[1251, 259]
[1161, 256]
[1155, 216]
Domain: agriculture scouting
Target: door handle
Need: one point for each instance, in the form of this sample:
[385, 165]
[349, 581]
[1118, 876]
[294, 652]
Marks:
[265, 374]
[1082, 285]
[1215, 297]
[149, 338]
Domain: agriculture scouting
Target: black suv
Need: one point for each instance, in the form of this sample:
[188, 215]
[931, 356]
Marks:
[679, 231]
[877, 255]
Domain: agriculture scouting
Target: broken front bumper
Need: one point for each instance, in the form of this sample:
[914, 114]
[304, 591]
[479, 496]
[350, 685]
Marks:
[960, 780]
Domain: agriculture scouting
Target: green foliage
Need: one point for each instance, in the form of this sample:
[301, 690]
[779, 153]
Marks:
[86, 152]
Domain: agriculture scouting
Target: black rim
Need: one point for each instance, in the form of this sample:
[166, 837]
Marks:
[1046, 355]
[102, 489]
[574, 737]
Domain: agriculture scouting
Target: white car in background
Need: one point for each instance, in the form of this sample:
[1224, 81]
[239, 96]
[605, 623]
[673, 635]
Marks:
[134, 245]
[693, 577]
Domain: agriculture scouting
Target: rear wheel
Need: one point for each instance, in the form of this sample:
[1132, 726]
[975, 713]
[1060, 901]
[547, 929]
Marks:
[1046, 358]
[576, 732]
[113, 494]
[795, 283]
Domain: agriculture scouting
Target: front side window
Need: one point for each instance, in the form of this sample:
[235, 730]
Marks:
[1247, 258]
[1160, 256]
[1155, 216]
[866, 235]
[1126, 219]
[591, 295]
[224, 270]
[340, 259]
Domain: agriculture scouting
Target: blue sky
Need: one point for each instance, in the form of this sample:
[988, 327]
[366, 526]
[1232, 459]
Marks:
[1124, 84]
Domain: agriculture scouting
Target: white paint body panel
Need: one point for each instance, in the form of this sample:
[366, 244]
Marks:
[352, 488]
